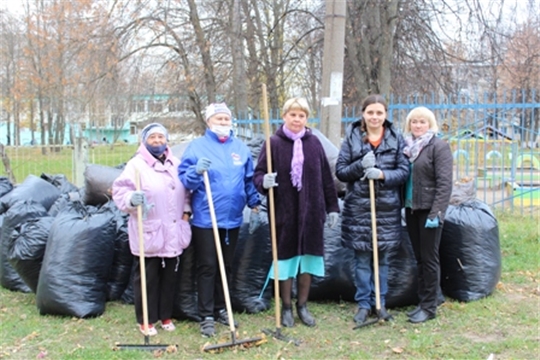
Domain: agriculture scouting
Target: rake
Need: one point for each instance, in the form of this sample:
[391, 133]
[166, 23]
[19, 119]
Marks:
[379, 318]
[277, 334]
[146, 346]
[234, 341]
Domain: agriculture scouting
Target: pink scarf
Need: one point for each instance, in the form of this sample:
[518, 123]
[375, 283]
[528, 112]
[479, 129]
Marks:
[297, 163]
[415, 145]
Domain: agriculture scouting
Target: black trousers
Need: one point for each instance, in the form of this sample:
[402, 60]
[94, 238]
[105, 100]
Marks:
[209, 286]
[161, 275]
[425, 243]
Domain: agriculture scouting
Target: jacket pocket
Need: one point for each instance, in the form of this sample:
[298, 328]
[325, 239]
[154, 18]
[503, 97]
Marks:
[153, 236]
[184, 233]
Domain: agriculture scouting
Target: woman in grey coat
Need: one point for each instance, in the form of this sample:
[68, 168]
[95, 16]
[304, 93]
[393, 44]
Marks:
[427, 195]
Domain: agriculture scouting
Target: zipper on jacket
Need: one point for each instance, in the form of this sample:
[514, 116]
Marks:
[230, 194]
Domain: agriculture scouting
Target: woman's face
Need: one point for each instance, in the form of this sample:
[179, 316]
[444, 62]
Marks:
[295, 120]
[374, 115]
[156, 139]
[419, 126]
[219, 119]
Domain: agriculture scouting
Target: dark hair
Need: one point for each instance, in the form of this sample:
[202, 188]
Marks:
[374, 99]
[370, 100]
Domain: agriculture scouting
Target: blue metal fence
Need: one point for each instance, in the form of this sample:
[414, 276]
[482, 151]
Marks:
[494, 139]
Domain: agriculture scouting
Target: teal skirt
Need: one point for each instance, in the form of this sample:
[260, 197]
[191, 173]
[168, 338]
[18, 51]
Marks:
[300, 264]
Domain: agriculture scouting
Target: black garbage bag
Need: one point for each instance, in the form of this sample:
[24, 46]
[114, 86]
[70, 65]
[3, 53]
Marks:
[339, 282]
[255, 147]
[470, 251]
[77, 263]
[5, 185]
[463, 190]
[19, 213]
[98, 180]
[123, 259]
[128, 296]
[332, 153]
[32, 188]
[61, 182]
[185, 303]
[27, 248]
[402, 274]
[64, 200]
[252, 261]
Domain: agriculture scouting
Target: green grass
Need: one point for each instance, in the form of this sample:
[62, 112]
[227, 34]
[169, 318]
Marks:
[505, 324]
[30, 160]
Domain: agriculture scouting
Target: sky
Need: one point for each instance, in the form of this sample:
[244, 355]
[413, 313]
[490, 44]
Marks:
[15, 6]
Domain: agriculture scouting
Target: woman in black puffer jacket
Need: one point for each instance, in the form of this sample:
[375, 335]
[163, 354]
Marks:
[371, 149]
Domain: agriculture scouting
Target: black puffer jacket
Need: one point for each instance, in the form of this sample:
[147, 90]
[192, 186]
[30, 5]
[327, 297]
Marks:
[356, 232]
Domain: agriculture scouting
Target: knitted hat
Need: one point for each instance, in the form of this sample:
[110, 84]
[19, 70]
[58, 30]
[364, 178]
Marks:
[219, 108]
[152, 129]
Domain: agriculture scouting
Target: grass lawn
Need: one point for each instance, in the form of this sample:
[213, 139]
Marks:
[505, 324]
[30, 160]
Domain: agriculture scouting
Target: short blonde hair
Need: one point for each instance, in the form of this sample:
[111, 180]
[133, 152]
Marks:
[421, 112]
[295, 104]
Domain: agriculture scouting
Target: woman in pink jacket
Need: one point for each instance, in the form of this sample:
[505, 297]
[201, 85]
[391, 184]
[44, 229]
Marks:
[166, 211]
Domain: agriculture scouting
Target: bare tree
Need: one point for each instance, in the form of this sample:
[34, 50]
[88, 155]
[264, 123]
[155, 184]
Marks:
[369, 47]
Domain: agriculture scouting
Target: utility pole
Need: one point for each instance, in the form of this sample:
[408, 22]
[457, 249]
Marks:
[332, 82]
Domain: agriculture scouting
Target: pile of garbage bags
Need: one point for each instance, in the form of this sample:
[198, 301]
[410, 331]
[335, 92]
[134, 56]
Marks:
[70, 247]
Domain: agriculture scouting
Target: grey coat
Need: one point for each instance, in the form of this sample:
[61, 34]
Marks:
[432, 178]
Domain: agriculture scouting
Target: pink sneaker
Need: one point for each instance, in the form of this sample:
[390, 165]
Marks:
[167, 325]
[151, 330]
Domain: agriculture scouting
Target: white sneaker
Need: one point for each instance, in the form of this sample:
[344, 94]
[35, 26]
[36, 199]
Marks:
[168, 325]
[151, 329]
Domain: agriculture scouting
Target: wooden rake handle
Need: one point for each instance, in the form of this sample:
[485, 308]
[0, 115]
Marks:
[271, 207]
[142, 263]
[219, 252]
[375, 245]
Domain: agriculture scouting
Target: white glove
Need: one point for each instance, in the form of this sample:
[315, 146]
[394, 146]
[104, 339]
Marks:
[372, 173]
[137, 198]
[368, 161]
[269, 180]
[333, 218]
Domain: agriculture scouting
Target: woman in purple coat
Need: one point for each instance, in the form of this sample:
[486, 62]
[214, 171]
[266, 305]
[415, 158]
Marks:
[305, 194]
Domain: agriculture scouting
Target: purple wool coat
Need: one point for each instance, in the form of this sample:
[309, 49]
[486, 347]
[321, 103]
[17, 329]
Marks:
[300, 215]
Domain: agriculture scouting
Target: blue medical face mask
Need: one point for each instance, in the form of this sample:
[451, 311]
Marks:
[156, 150]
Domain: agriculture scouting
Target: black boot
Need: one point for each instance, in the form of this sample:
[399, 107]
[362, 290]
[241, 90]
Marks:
[414, 311]
[222, 317]
[383, 314]
[361, 316]
[287, 318]
[422, 316]
[305, 315]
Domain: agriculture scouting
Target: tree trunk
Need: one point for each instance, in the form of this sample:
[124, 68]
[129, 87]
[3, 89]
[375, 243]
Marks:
[239, 69]
[7, 164]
